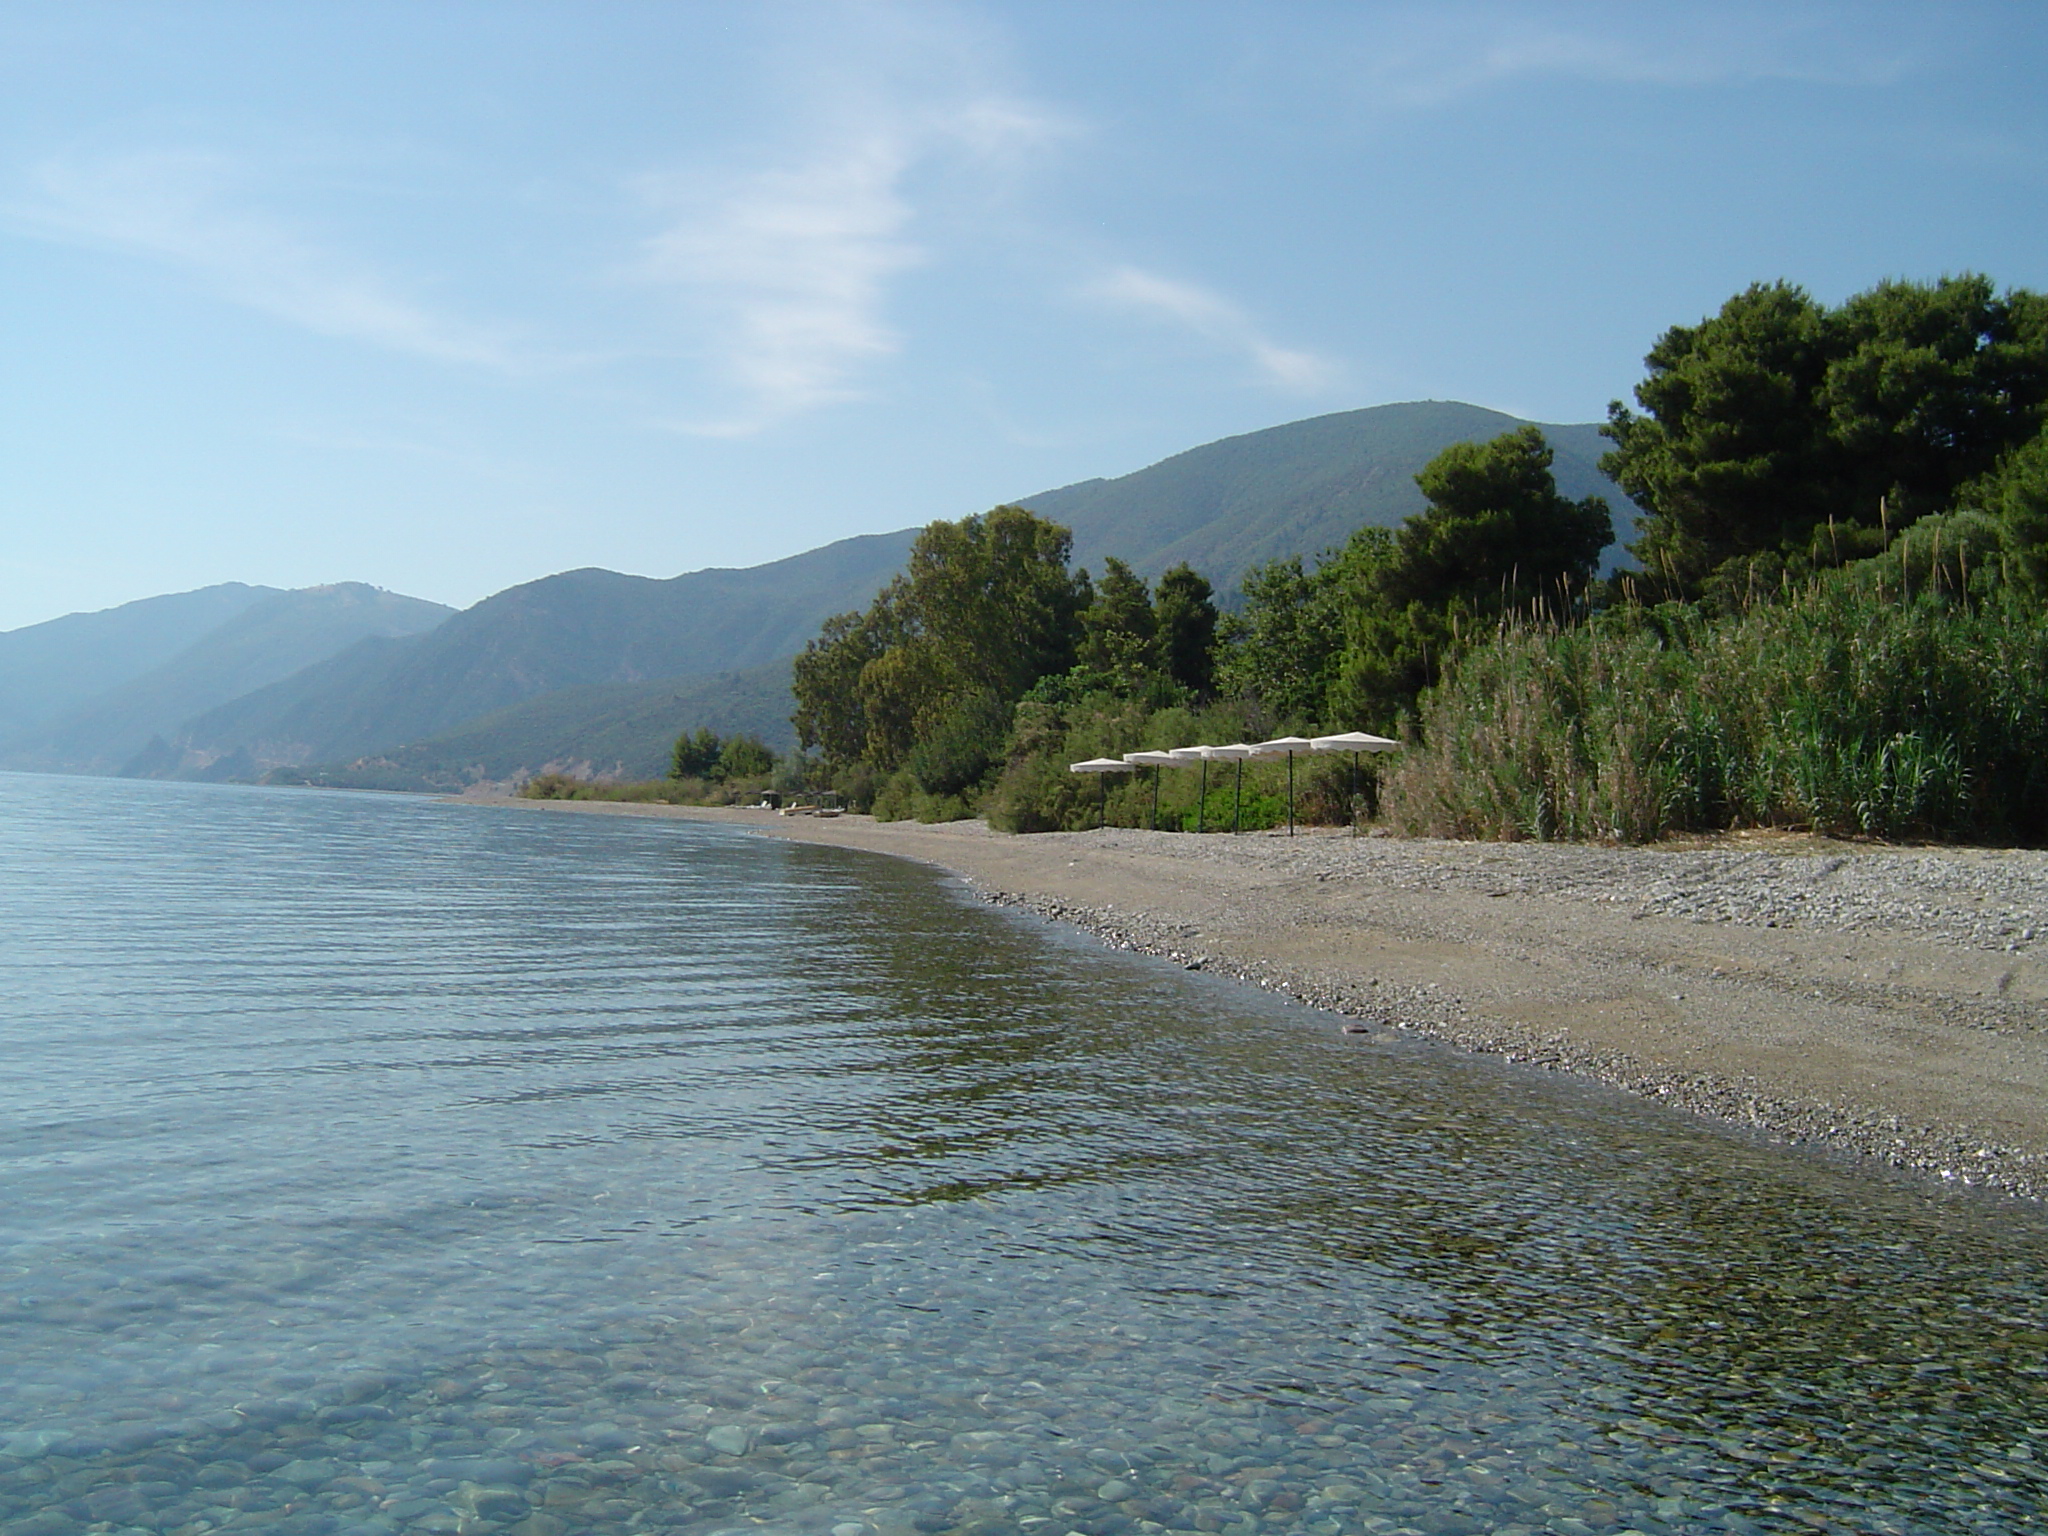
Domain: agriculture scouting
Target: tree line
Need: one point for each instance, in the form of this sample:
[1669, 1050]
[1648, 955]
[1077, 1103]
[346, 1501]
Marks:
[973, 673]
[1815, 481]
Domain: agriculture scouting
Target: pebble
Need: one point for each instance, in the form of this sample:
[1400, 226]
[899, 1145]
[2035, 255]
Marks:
[1991, 901]
[1284, 1296]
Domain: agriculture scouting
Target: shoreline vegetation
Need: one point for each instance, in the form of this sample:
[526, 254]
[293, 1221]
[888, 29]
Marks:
[1837, 628]
[1838, 622]
[1883, 1002]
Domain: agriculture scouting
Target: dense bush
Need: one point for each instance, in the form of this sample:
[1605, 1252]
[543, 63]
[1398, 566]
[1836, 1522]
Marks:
[669, 791]
[1839, 709]
[955, 757]
[708, 756]
[1847, 507]
[565, 786]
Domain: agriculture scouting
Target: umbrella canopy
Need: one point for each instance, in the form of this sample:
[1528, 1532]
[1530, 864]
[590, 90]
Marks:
[1200, 756]
[1282, 746]
[1354, 741]
[1155, 761]
[1236, 752]
[1288, 747]
[1099, 766]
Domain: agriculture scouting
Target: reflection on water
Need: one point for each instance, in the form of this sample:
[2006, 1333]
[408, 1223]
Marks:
[378, 1166]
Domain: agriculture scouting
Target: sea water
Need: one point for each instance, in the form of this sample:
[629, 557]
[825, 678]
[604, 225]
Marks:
[371, 1164]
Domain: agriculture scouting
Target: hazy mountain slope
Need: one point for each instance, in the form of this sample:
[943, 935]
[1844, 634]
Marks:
[1294, 489]
[268, 640]
[617, 730]
[287, 722]
[574, 630]
[50, 668]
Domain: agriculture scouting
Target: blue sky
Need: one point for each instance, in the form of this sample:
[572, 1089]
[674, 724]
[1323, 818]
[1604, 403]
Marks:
[446, 297]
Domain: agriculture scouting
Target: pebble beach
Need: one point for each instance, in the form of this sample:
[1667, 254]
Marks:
[1887, 1002]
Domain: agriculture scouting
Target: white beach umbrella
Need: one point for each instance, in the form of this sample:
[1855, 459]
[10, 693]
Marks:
[1155, 761]
[1184, 756]
[1239, 753]
[1286, 746]
[1354, 742]
[1100, 766]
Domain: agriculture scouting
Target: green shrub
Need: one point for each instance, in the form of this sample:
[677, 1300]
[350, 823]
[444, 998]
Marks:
[695, 756]
[902, 798]
[1038, 794]
[857, 785]
[564, 786]
[953, 759]
[1838, 709]
[743, 757]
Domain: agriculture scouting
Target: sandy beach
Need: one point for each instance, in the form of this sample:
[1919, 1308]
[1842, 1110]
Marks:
[1891, 1002]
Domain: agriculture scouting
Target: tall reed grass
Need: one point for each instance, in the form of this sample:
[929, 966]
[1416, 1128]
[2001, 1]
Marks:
[1837, 710]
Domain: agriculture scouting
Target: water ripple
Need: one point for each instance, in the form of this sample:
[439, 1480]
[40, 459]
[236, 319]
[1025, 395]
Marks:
[639, 1176]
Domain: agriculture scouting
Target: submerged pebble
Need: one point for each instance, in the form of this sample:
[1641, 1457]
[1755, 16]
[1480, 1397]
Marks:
[454, 1207]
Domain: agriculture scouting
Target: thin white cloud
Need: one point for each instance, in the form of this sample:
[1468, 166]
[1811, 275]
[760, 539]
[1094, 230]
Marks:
[192, 212]
[1453, 53]
[789, 270]
[1214, 318]
[899, 119]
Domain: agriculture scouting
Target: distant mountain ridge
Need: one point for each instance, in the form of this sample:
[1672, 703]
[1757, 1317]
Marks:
[48, 669]
[603, 730]
[279, 634]
[1297, 489]
[577, 630]
[600, 669]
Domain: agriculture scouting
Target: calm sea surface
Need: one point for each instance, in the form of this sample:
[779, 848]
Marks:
[373, 1165]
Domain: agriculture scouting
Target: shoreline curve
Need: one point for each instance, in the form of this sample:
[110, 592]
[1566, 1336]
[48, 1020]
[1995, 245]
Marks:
[1888, 1002]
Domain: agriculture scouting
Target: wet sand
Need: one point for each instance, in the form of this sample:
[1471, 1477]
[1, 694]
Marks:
[1890, 1002]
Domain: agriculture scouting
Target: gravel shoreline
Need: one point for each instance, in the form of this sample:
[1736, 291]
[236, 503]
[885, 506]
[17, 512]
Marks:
[1886, 1002]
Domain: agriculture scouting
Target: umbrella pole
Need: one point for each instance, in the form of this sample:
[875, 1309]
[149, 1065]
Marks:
[1102, 801]
[1290, 794]
[1354, 794]
[1155, 798]
[1237, 808]
[1202, 805]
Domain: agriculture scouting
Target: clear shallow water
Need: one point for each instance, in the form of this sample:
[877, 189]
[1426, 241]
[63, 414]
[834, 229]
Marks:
[374, 1165]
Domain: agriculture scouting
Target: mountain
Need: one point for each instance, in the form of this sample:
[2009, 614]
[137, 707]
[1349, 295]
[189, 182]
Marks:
[612, 730]
[287, 722]
[48, 668]
[1297, 489]
[600, 668]
[272, 638]
[573, 631]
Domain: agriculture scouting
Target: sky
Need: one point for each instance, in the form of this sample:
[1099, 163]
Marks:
[449, 297]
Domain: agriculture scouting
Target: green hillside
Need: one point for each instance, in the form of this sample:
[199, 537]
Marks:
[603, 669]
[573, 631]
[287, 722]
[267, 641]
[49, 669]
[1295, 489]
[613, 730]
